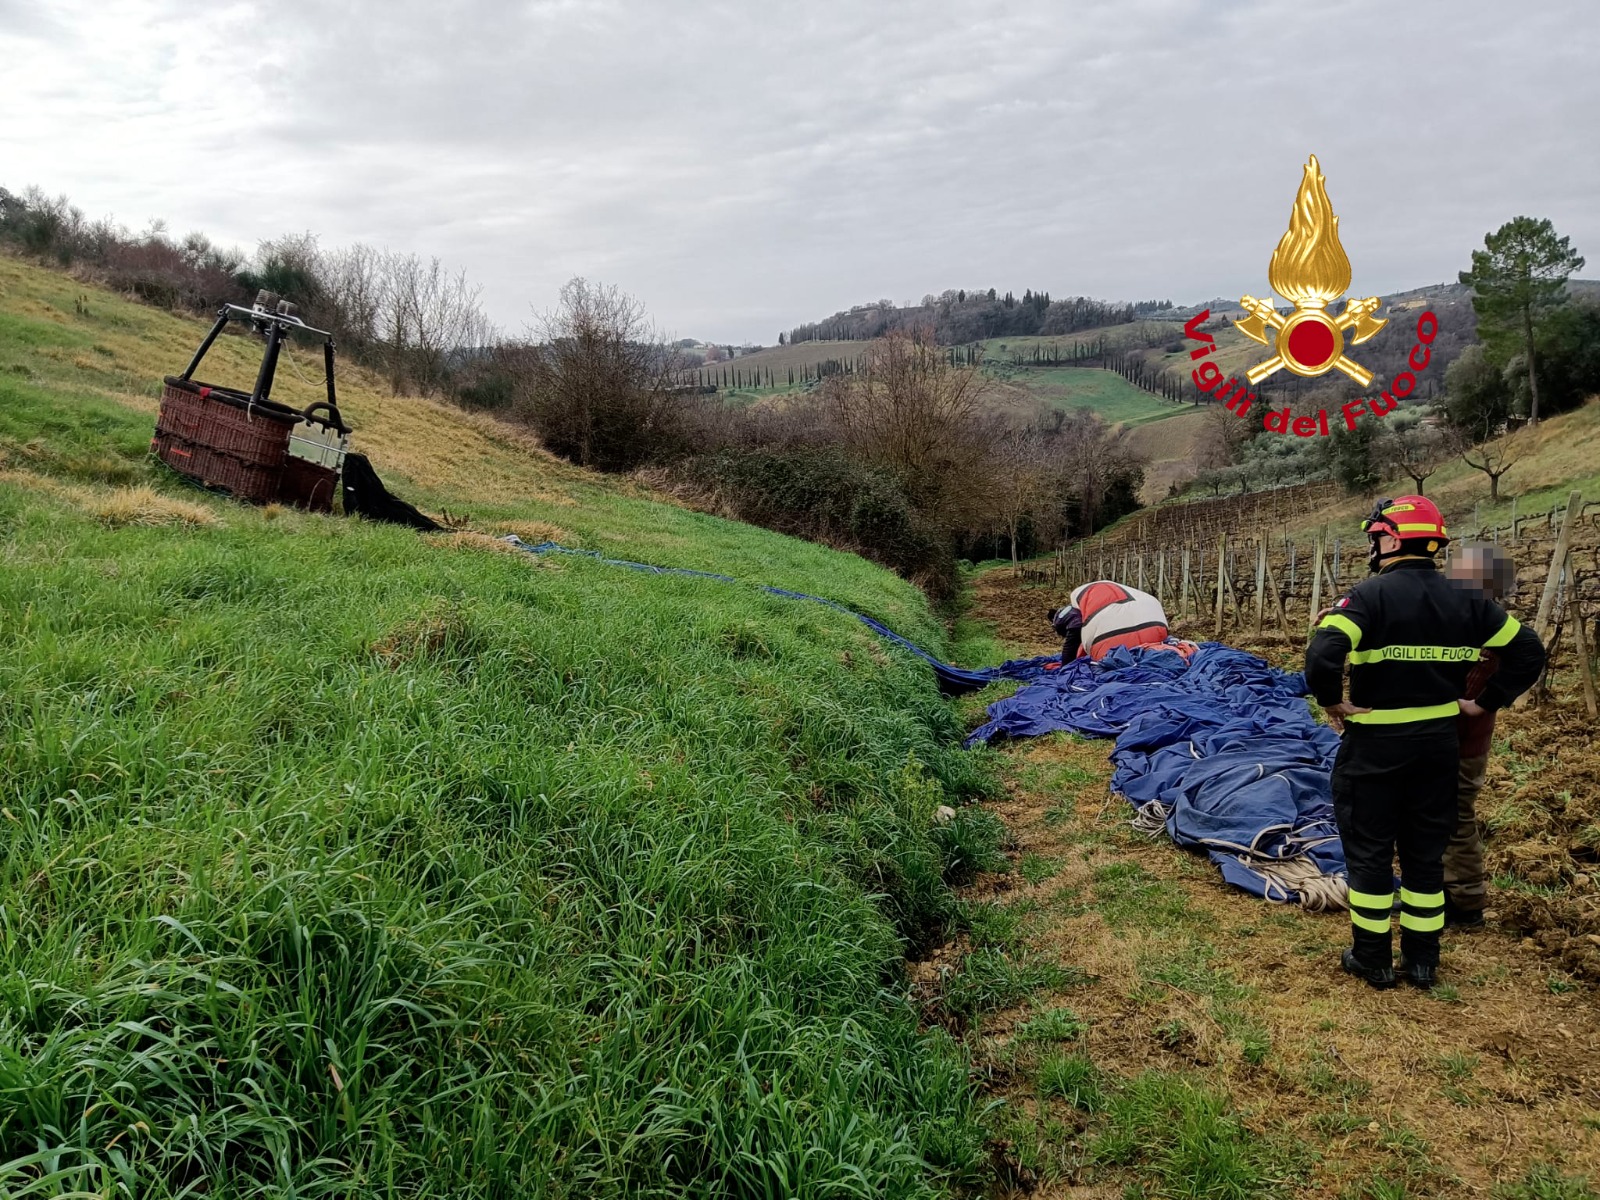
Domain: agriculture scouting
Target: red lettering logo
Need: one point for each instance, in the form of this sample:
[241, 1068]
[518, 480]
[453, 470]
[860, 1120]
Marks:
[1310, 270]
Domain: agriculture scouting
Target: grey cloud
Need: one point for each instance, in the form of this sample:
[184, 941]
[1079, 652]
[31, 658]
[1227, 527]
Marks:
[744, 167]
[25, 19]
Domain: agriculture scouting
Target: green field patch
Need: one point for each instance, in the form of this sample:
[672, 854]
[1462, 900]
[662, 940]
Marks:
[1125, 894]
[1105, 392]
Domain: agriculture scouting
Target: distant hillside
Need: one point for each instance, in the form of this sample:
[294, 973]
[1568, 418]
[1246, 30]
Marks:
[1051, 370]
[957, 316]
[1026, 373]
[1384, 355]
[1168, 449]
[1560, 455]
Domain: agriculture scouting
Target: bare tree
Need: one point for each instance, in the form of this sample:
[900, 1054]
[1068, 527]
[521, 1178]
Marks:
[1494, 457]
[446, 320]
[356, 287]
[910, 410]
[1019, 481]
[402, 286]
[1418, 450]
[1221, 438]
[1089, 460]
[597, 382]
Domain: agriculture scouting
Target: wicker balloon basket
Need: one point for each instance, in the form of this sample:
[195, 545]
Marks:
[222, 440]
[246, 443]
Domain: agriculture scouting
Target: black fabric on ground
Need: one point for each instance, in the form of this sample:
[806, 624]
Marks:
[364, 494]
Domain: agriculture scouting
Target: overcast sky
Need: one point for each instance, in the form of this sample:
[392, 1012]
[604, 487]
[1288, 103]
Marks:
[744, 167]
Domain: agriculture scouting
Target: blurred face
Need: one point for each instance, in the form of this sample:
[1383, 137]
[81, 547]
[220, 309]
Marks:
[1481, 570]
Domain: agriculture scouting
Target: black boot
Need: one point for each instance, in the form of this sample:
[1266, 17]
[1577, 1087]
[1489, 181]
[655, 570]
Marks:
[1378, 977]
[1419, 956]
[1462, 918]
[1417, 974]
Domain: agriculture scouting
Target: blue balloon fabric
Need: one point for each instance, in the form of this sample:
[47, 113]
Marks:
[1219, 748]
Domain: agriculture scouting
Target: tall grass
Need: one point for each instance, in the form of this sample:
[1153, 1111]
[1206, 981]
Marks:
[1188, 1142]
[335, 859]
[339, 863]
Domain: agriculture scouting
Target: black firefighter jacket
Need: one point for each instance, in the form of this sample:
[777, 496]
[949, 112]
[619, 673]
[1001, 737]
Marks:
[1410, 636]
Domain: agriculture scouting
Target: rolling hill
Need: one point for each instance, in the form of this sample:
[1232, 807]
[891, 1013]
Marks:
[1170, 442]
[1019, 384]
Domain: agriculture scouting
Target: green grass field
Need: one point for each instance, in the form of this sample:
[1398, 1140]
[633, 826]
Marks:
[342, 861]
[1106, 392]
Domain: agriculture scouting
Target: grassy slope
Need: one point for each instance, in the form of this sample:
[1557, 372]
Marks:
[343, 860]
[781, 359]
[1168, 448]
[1106, 392]
[1561, 455]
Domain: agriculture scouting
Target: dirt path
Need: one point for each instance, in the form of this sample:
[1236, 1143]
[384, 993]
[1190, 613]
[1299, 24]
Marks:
[1155, 1032]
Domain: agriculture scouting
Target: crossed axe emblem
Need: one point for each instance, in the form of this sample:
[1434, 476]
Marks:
[1357, 315]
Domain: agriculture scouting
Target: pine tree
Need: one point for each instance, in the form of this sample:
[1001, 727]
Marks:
[1520, 275]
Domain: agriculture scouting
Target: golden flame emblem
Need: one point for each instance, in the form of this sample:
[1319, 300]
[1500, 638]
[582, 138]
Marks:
[1310, 270]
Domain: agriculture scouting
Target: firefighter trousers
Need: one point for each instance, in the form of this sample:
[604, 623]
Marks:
[1394, 791]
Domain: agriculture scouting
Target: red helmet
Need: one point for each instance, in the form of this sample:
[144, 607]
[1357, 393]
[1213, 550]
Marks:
[1407, 518]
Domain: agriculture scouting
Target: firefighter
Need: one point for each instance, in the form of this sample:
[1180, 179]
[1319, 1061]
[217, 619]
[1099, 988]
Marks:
[1410, 638]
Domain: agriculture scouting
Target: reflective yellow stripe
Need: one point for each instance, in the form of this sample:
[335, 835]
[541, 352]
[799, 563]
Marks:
[1400, 716]
[1415, 654]
[1372, 925]
[1422, 924]
[1436, 530]
[1421, 899]
[1345, 625]
[1507, 632]
[1371, 899]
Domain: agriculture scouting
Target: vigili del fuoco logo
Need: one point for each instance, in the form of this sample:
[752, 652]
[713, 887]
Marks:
[1311, 271]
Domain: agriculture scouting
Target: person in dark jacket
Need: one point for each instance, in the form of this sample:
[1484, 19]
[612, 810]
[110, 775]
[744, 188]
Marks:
[1490, 571]
[1068, 624]
[1410, 638]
